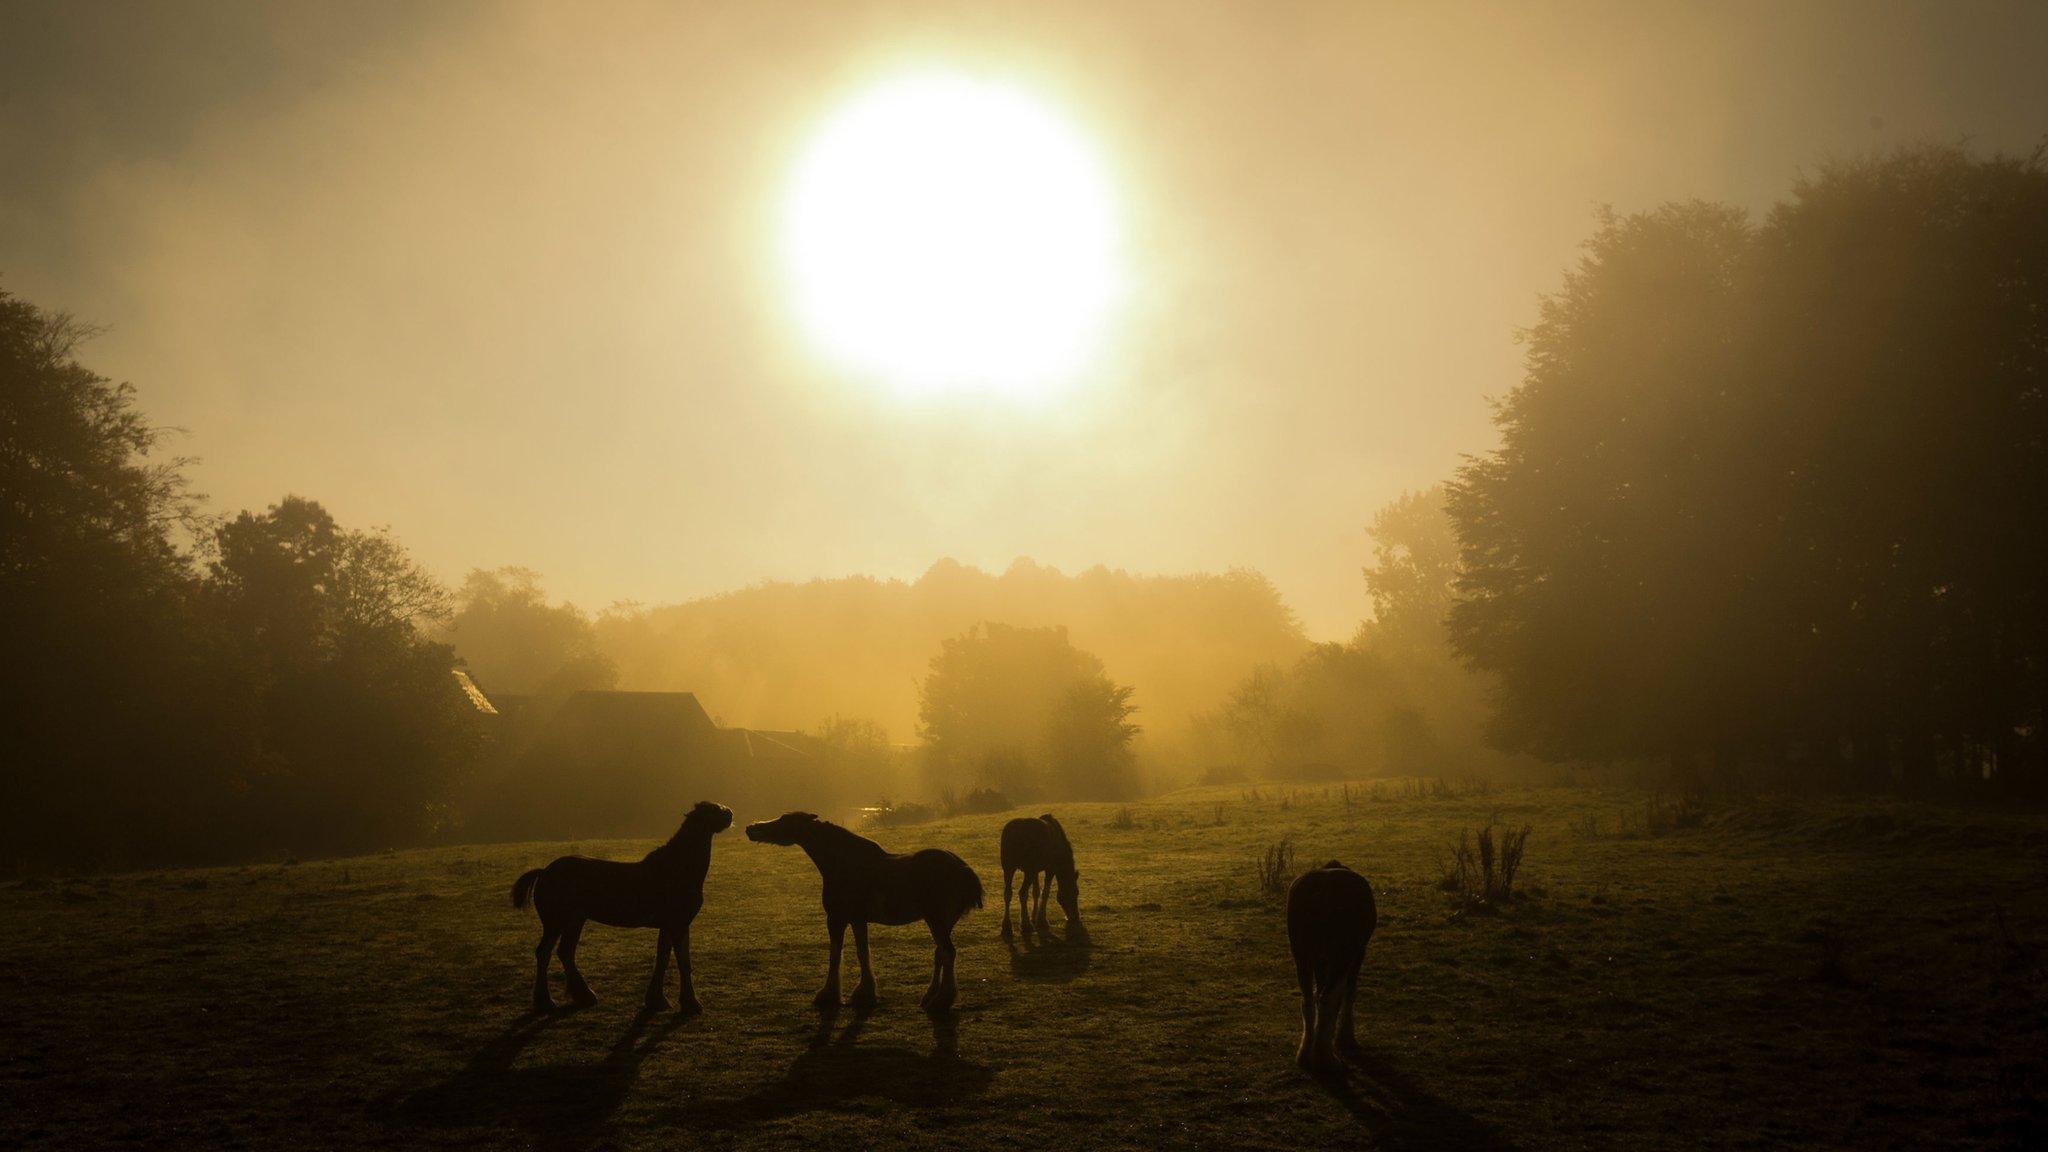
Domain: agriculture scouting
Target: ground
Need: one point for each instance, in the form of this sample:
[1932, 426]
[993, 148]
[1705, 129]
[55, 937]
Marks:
[1776, 973]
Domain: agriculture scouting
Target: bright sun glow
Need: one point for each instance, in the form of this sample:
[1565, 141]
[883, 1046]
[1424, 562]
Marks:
[948, 233]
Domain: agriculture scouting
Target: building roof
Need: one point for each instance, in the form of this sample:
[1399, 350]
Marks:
[476, 696]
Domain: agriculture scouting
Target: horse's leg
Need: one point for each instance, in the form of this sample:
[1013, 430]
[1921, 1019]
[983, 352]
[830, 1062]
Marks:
[1329, 1006]
[828, 996]
[548, 935]
[1347, 1036]
[1009, 874]
[1024, 892]
[1304, 973]
[864, 994]
[1044, 890]
[943, 991]
[655, 1000]
[578, 990]
[680, 941]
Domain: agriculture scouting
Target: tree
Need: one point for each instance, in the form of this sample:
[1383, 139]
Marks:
[1000, 706]
[361, 731]
[105, 721]
[1768, 491]
[1265, 722]
[514, 641]
[1088, 741]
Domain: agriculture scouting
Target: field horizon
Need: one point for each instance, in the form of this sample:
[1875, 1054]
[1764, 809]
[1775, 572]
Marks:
[1659, 981]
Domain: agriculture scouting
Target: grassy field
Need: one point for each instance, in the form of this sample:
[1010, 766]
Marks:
[1778, 973]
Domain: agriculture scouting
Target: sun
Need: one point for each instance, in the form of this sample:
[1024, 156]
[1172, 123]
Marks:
[948, 233]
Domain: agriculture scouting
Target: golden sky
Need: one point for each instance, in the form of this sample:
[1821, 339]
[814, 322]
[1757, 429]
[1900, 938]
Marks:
[503, 277]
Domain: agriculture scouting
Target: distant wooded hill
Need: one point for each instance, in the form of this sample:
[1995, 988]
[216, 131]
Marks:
[787, 655]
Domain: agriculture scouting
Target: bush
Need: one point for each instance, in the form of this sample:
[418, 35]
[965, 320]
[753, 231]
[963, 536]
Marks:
[1276, 869]
[1482, 866]
[982, 801]
[1661, 815]
[1223, 774]
[1124, 818]
[887, 815]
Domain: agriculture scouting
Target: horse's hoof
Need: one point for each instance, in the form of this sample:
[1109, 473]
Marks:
[826, 1000]
[543, 1007]
[654, 1004]
[690, 1008]
[585, 999]
[862, 998]
[1007, 934]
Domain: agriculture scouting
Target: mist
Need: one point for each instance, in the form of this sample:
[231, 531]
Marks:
[1388, 575]
[498, 277]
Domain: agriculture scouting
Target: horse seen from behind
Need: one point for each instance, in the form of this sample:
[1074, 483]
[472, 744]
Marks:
[664, 890]
[865, 884]
[1330, 917]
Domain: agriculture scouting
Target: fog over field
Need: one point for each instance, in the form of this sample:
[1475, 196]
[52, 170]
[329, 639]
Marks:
[895, 574]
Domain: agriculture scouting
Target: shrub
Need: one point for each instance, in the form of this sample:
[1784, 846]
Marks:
[1223, 774]
[1661, 815]
[1276, 869]
[982, 801]
[1482, 866]
[887, 815]
[1124, 818]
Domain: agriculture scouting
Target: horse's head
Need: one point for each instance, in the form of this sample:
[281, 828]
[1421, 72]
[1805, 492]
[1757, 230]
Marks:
[706, 819]
[788, 828]
[1069, 895]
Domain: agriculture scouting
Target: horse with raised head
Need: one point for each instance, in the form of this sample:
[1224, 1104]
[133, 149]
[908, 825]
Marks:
[664, 890]
[866, 884]
[1330, 917]
[1040, 850]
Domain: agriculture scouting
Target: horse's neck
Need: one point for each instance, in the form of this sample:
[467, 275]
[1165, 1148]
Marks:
[1062, 850]
[828, 843]
[683, 851]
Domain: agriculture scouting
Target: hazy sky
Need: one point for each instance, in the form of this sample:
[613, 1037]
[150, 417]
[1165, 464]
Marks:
[503, 276]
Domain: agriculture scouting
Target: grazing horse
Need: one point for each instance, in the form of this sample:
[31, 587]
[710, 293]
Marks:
[664, 890]
[1330, 917]
[1040, 850]
[865, 884]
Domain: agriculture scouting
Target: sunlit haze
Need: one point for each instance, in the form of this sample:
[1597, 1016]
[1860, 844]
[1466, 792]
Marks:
[690, 297]
[952, 233]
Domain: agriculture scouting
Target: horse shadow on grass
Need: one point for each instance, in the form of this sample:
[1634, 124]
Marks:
[558, 1103]
[835, 1071]
[1048, 959]
[1401, 1114]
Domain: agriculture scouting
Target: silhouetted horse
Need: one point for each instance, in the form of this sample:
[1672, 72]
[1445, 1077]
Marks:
[663, 890]
[1330, 917]
[1040, 850]
[865, 884]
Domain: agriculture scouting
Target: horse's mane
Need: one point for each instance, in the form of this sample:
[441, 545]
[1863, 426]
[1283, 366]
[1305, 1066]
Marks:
[1066, 845]
[848, 837]
[686, 831]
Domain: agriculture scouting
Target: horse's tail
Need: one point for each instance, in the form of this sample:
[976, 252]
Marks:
[523, 885]
[967, 886]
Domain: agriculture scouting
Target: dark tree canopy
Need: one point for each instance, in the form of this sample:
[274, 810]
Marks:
[1024, 711]
[281, 697]
[1772, 491]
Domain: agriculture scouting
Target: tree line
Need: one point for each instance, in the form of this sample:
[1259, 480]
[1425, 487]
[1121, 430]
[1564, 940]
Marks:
[1767, 503]
[1771, 498]
[189, 687]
